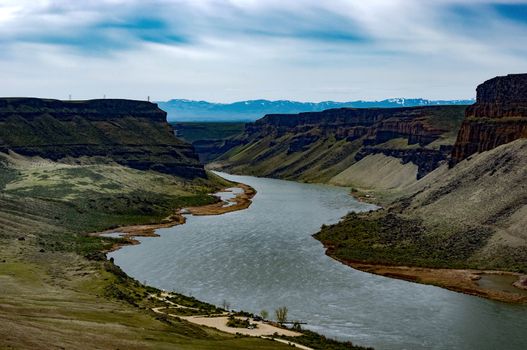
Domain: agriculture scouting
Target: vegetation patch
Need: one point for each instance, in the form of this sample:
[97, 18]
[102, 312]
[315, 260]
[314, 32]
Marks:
[391, 239]
[317, 341]
[236, 322]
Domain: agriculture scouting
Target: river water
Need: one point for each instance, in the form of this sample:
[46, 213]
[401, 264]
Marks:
[264, 257]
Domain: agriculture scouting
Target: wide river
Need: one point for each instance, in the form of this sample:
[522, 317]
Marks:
[264, 257]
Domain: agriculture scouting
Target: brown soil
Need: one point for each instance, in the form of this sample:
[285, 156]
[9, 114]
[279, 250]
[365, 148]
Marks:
[464, 281]
[241, 201]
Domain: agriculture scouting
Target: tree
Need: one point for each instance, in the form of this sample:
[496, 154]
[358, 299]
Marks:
[281, 314]
[264, 314]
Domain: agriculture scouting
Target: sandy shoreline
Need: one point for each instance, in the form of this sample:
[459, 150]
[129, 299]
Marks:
[457, 280]
[241, 201]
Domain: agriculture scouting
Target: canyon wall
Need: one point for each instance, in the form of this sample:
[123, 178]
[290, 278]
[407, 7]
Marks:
[131, 133]
[316, 146]
[499, 116]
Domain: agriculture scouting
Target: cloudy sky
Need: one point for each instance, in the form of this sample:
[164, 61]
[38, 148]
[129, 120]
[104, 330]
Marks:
[229, 50]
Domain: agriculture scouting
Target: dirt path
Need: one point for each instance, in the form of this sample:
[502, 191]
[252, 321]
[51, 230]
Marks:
[219, 322]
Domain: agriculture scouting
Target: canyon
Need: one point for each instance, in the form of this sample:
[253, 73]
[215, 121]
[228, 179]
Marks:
[318, 146]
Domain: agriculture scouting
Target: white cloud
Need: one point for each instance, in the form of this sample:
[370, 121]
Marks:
[241, 49]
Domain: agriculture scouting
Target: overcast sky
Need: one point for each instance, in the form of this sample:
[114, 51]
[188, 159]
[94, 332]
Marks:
[229, 50]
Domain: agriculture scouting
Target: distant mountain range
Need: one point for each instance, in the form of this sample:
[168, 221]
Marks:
[180, 110]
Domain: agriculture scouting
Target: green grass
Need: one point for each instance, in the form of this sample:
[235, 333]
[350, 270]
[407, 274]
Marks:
[447, 117]
[7, 174]
[317, 341]
[60, 300]
[390, 239]
[87, 198]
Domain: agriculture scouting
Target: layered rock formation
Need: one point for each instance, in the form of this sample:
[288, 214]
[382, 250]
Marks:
[499, 116]
[131, 133]
[378, 125]
[317, 146]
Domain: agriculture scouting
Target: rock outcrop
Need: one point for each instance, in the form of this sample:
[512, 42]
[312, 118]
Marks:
[316, 146]
[378, 125]
[499, 116]
[427, 160]
[131, 133]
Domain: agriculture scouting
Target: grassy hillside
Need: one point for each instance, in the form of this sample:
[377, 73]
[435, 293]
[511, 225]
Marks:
[56, 288]
[92, 196]
[472, 215]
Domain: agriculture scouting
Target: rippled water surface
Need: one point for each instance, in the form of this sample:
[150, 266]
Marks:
[264, 257]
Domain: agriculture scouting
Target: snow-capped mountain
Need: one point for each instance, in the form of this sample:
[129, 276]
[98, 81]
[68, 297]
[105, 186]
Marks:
[181, 110]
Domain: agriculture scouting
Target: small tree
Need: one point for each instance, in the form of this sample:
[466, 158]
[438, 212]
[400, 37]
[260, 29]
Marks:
[281, 314]
[264, 314]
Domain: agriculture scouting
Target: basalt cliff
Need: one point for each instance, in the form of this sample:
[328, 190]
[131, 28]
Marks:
[499, 116]
[322, 146]
[130, 133]
[471, 214]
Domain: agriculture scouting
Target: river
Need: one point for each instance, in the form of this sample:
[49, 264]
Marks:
[264, 257]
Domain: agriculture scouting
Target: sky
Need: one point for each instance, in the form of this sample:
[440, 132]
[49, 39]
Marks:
[232, 50]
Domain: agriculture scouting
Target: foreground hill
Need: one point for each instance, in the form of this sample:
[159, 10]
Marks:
[247, 111]
[326, 146]
[131, 133]
[471, 215]
[465, 217]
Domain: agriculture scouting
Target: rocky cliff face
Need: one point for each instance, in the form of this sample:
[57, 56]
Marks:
[378, 125]
[131, 133]
[499, 116]
[316, 146]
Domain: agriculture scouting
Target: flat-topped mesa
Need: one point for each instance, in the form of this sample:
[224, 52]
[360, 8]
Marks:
[94, 110]
[499, 116]
[130, 133]
[378, 125]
